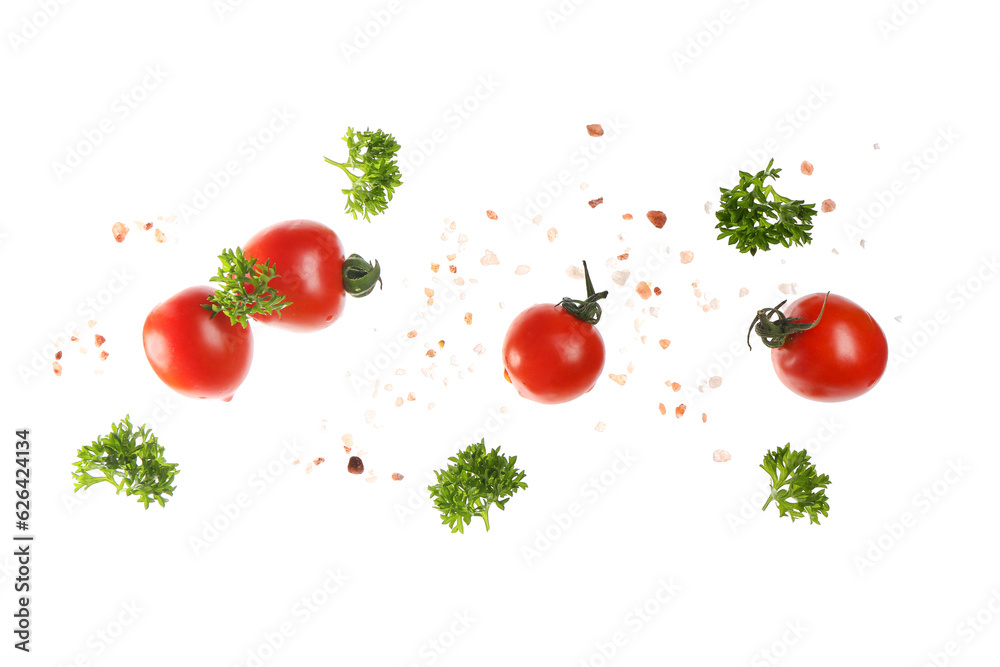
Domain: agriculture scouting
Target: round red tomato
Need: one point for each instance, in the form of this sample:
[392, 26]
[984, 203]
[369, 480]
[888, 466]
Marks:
[550, 356]
[553, 353]
[840, 358]
[309, 259]
[192, 353]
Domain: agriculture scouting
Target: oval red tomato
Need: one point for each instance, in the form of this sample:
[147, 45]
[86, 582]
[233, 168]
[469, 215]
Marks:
[309, 259]
[841, 358]
[194, 354]
[551, 356]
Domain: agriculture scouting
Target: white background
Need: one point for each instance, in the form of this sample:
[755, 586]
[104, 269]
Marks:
[799, 81]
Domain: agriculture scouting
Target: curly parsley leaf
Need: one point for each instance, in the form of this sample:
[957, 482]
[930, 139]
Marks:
[796, 488]
[371, 166]
[131, 460]
[476, 479]
[753, 222]
[244, 289]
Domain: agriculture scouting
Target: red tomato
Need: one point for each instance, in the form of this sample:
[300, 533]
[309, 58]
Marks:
[550, 356]
[841, 358]
[309, 259]
[194, 354]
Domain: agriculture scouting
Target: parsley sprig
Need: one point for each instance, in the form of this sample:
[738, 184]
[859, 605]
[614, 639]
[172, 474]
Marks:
[244, 288]
[796, 487]
[373, 154]
[475, 480]
[131, 460]
[753, 222]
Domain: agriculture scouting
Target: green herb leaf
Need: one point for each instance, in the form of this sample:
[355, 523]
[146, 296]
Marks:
[475, 480]
[244, 288]
[130, 460]
[373, 154]
[753, 222]
[796, 488]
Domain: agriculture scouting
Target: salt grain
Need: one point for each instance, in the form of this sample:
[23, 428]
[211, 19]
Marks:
[658, 218]
[537, 219]
[120, 231]
[743, 292]
[642, 289]
[619, 378]
[664, 343]
[600, 427]
[680, 410]
[552, 234]
[663, 409]
[806, 168]
[489, 259]
[574, 272]
[686, 257]
[521, 269]
[620, 277]
[595, 130]
[627, 216]
[491, 215]
[159, 236]
[714, 382]
[828, 205]
[720, 456]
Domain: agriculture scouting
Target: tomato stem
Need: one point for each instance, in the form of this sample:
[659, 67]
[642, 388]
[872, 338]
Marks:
[586, 310]
[775, 332]
[360, 276]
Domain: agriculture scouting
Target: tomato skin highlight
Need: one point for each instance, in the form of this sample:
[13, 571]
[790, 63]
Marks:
[550, 356]
[309, 259]
[193, 354]
[841, 358]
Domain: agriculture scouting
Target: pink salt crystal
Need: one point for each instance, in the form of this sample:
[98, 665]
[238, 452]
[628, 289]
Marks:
[686, 257]
[489, 259]
[720, 456]
[120, 231]
[521, 269]
[552, 234]
[828, 205]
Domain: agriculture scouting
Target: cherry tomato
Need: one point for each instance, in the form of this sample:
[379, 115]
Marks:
[842, 357]
[309, 259]
[192, 353]
[552, 355]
